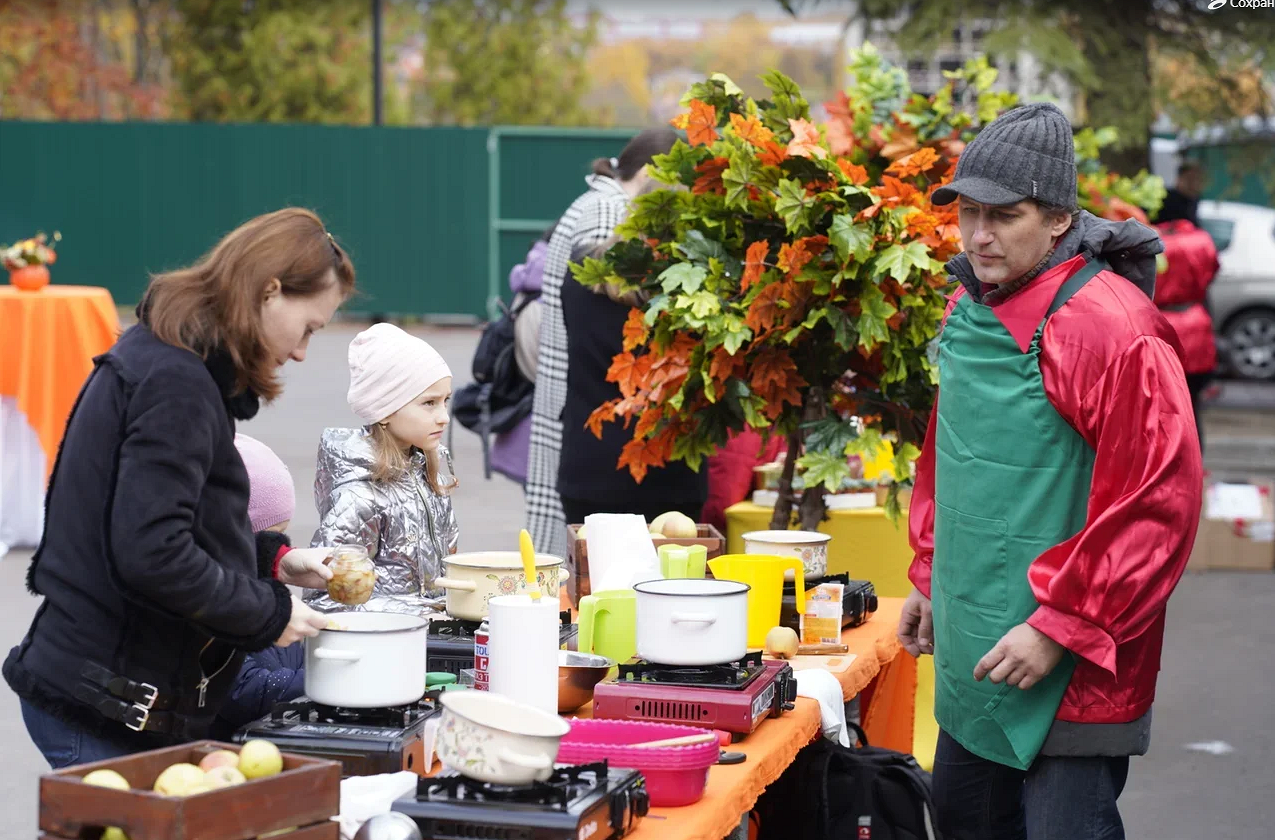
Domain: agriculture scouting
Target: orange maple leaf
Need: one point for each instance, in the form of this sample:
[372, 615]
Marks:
[648, 421]
[903, 142]
[793, 257]
[776, 380]
[635, 329]
[754, 264]
[856, 174]
[922, 160]
[630, 373]
[773, 155]
[805, 140]
[921, 224]
[769, 306]
[701, 123]
[710, 179]
[724, 365]
[751, 130]
[604, 413]
[897, 193]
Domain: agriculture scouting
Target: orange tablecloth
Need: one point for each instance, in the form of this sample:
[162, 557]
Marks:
[47, 343]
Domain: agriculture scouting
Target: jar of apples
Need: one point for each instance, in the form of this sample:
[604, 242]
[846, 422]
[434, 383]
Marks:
[353, 575]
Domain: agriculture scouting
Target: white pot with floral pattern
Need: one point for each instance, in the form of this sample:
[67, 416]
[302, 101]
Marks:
[493, 739]
[473, 579]
[810, 546]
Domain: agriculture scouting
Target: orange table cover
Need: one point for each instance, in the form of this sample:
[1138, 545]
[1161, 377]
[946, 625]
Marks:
[48, 339]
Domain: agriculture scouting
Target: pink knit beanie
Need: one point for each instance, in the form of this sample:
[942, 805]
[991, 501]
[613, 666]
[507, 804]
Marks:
[389, 369]
[271, 496]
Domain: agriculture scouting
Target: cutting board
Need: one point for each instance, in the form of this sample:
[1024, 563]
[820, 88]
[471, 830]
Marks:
[837, 663]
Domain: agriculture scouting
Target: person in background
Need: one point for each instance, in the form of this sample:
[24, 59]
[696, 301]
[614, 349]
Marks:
[1183, 199]
[1057, 497]
[730, 472]
[509, 449]
[153, 583]
[1182, 294]
[589, 220]
[589, 480]
[387, 486]
[275, 674]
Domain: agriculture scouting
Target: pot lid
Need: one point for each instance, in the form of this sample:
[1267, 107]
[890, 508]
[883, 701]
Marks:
[499, 560]
[697, 587]
[788, 537]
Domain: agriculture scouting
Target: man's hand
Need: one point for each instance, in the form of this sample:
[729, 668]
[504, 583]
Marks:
[1023, 657]
[916, 626]
[305, 567]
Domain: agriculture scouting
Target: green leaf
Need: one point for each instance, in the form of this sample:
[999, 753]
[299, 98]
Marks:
[850, 239]
[592, 271]
[899, 260]
[731, 88]
[736, 337]
[904, 456]
[875, 312]
[737, 179]
[826, 468]
[843, 332]
[654, 308]
[685, 276]
[829, 434]
[702, 304]
[788, 101]
[793, 205]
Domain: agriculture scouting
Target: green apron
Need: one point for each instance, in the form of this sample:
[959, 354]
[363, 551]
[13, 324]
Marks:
[1011, 480]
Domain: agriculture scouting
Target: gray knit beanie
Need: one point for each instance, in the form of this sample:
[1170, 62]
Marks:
[1024, 153]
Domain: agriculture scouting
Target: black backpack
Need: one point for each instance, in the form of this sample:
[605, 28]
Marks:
[836, 793]
[500, 396]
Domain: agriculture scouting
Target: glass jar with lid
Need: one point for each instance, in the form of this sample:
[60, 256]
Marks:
[353, 575]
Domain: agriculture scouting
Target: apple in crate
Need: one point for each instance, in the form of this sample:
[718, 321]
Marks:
[180, 780]
[219, 758]
[220, 777]
[674, 525]
[258, 758]
[106, 779]
[114, 833]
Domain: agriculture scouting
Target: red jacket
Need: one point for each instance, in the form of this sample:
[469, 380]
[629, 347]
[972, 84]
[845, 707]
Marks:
[1111, 369]
[1181, 290]
[730, 473]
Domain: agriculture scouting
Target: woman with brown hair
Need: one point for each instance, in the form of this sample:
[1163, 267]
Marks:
[154, 584]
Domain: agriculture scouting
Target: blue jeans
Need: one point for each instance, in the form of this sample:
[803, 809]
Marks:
[1059, 798]
[63, 744]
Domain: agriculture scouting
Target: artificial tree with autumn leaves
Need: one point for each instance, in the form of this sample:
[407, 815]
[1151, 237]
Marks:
[793, 276]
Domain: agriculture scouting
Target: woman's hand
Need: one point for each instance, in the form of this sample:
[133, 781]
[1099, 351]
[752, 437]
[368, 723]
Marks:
[306, 567]
[303, 623]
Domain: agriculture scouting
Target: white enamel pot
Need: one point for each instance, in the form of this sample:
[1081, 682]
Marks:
[498, 740]
[810, 546]
[688, 621]
[473, 579]
[375, 659]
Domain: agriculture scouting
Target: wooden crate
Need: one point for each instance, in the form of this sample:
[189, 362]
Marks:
[578, 555]
[305, 795]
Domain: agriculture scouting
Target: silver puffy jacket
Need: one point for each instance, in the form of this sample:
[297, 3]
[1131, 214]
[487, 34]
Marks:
[406, 528]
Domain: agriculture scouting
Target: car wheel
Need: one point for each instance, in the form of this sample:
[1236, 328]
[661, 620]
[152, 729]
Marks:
[1250, 342]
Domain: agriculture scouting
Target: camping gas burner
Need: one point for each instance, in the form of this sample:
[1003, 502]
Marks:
[308, 711]
[728, 675]
[558, 791]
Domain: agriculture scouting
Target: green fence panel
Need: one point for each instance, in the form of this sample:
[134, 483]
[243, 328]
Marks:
[410, 204]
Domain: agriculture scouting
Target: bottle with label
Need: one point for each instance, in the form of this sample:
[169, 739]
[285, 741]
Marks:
[482, 636]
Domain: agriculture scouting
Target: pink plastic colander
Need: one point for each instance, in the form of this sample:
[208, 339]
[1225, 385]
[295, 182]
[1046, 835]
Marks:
[675, 776]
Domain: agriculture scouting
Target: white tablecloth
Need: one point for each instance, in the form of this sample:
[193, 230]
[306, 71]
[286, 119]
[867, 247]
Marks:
[22, 467]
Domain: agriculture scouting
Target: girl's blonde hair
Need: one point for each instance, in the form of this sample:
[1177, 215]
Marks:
[392, 462]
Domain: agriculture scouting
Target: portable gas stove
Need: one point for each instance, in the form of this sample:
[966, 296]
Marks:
[736, 696]
[365, 741]
[858, 601]
[449, 647]
[585, 802]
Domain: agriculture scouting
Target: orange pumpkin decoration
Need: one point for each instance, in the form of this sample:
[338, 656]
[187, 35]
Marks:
[30, 278]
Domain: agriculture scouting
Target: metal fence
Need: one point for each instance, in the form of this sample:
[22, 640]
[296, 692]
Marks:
[433, 218]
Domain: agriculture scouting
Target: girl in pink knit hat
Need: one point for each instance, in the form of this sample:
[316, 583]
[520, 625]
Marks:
[386, 486]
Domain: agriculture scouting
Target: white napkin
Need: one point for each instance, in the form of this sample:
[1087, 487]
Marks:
[822, 686]
[620, 551]
[363, 797]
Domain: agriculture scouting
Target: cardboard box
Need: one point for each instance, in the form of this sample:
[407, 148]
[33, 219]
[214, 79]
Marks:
[1237, 528]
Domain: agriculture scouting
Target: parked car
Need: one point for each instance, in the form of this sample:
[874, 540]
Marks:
[1242, 297]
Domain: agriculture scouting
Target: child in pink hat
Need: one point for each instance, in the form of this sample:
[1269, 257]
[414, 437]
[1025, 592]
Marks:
[386, 486]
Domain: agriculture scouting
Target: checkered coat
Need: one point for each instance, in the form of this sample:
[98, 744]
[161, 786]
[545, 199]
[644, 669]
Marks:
[591, 219]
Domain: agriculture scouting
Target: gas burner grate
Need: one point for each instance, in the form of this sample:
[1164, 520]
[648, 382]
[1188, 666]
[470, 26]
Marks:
[728, 675]
[460, 628]
[307, 711]
[558, 791]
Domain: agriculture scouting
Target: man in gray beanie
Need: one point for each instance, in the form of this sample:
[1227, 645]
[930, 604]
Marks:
[1056, 501]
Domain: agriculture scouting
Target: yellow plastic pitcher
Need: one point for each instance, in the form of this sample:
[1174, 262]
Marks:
[765, 574]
